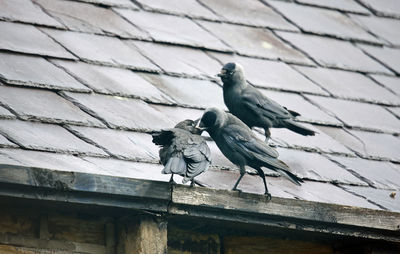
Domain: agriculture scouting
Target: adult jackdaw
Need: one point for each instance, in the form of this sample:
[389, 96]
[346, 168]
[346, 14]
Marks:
[252, 107]
[183, 151]
[239, 144]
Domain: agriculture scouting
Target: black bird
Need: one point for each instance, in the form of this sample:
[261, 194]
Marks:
[183, 151]
[239, 144]
[252, 107]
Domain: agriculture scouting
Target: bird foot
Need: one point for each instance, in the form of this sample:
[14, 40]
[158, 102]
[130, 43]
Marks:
[238, 190]
[192, 184]
[268, 195]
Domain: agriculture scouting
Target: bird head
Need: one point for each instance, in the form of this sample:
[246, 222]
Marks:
[211, 119]
[189, 125]
[231, 73]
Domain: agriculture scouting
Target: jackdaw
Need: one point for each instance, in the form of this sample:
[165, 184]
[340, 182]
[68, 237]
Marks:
[239, 144]
[252, 107]
[183, 151]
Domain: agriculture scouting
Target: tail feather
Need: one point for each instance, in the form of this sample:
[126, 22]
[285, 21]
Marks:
[298, 128]
[176, 165]
[293, 178]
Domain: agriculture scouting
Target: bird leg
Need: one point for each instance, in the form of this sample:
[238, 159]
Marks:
[242, 172]
[262, 175]
[171, 180]
[267, 134]
[192, 183]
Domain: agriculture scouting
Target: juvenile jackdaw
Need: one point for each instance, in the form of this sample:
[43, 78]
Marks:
[252, 107]
[239, 144]
[183, 151]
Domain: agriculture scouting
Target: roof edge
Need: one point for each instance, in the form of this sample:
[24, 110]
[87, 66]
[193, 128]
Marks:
[197, 202]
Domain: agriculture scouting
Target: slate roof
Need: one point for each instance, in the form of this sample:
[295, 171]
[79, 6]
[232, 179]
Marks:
[82, 83]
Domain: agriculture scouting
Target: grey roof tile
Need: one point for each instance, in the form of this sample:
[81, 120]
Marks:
[321, 142]
[28, 39]
[334, 53]
[359, 114]
[123, 144]
[272, 74]
[382, 27]
[249, 12]
[173, 29]
[129, 169]
[5, 159]
[45, 106]
[395, 111]
[47, 137]
[54, 161]
[393, 83]
[380, 174]
[28, 71]
[316, 167]
[323, 21]
[308, 112]
[256, 42]
[114, 81]
[4, 113]
[350, 85]
[191, 92]
[389, 8]
[389, 57]
[6, 143]
[177, 114]
[342, 5]
[117, 3]
[106, 50]
[90, 18]
[179, 60]
[25, 11]
[377, 196]
[190, 8]
[120, 112]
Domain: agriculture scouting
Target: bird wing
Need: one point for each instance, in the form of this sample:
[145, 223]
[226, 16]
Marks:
[245, 143]
[255, 101]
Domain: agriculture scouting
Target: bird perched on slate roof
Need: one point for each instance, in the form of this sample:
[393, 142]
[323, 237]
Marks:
[239, 144]
[252, 107]
[183, 151]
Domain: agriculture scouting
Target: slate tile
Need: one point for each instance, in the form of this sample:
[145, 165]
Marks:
[363, 115]
[272, 74]
[316, 167]
[123, 144]
[323, 21]
[366, 144]
[114, 81]
[25, 11]
[249, 12]
[28, 71]
[393, 83]
[28, 39]
[377, 196]
[90, 18]
[119, 112]
[334, 53]
[308, 112]
[387, 8]
[387, 56]
[5, 159]
[47, 137]
[179, 60]
[5, 114]
[395, 111]
[350, 85]
[6, 143]
[255, 42]
[129, 169]
[191, 92]
[173, 29]
[177, 114]
[190, 8]
[382, 27]
[341, 5]
[117, 3]
[321, 142]
[44, 106]
[54, 161]
[380, 174]
[101, 49]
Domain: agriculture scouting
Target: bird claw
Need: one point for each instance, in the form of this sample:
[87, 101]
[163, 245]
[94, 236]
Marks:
[238, 190]
[268, 195]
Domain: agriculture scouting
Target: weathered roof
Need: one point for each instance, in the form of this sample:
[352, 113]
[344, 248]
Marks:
[83, 82]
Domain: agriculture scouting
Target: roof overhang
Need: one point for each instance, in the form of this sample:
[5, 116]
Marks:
[197, 203]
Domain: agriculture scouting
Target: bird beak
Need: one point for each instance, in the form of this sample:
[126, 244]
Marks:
[222, 73]
[198, 125]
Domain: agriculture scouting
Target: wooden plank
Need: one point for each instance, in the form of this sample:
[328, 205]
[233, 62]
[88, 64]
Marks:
[289, 208]
[189, 241]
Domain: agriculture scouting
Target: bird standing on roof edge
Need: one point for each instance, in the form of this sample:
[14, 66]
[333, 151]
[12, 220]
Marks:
[239, 144]
[252, 107]
[183, 151]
